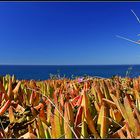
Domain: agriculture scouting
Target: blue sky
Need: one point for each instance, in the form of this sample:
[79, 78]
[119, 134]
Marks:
[68, 33]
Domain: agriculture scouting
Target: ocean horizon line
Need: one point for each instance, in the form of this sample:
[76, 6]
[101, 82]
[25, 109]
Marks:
[68, 65]
[43, 71]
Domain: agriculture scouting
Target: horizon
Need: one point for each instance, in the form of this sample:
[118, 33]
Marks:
[67, 65]
[68, 33]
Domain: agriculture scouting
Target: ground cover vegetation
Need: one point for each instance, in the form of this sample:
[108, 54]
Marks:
[87, 107]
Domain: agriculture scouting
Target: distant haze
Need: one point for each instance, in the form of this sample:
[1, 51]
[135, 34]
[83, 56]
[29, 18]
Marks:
[68, 33]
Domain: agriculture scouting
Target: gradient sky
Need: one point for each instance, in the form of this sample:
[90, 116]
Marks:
[68, 33]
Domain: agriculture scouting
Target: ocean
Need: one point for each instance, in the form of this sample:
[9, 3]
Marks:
[43, 72]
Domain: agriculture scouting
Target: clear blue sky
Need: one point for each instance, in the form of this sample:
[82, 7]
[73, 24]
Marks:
[68, 33]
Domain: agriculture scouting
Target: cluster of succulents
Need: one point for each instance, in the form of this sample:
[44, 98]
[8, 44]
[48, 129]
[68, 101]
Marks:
[70, 108]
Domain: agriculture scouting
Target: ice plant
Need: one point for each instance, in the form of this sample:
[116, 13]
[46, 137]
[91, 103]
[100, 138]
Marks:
[64, 108]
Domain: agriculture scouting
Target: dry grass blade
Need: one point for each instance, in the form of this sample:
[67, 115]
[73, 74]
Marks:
[84, 133]
[115, 115]
[9, 92]
[131, 118]
[121, 134]
[5, 107]
[88, 116]
[109, 102]
[5, 135]
[57, 125]
[16, 89]
[128, 39]
[102, 122]
[69, 117]
[2, 89]
[120, 107]
[11, 115]
[116, 134]
[78, 121]
[28, 135]
[58, 111]
[41, 129]
[136, 16]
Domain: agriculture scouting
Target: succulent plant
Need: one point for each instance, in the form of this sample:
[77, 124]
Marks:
[64, 108]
